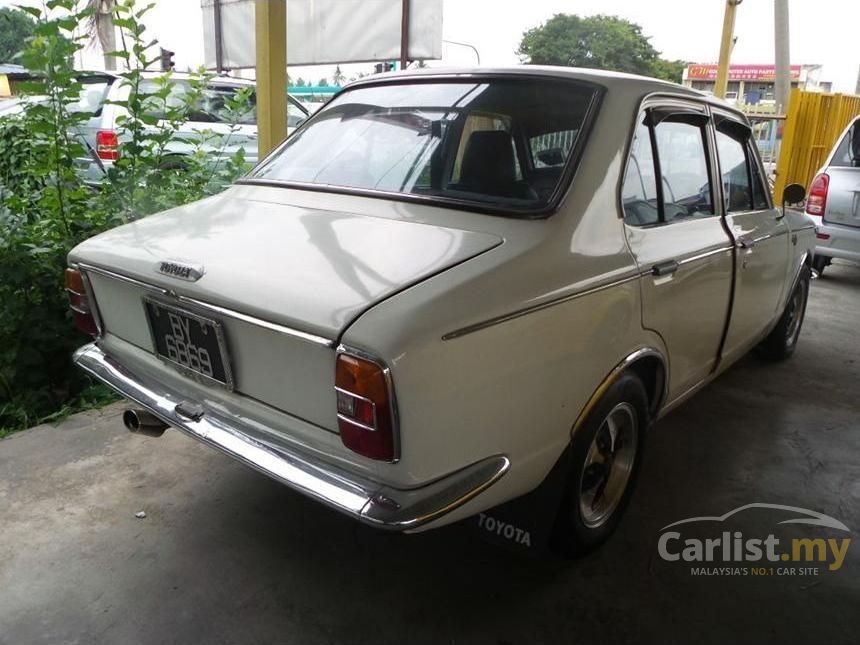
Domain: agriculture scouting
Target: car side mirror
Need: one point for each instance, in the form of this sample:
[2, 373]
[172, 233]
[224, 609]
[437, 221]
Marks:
[792, 194]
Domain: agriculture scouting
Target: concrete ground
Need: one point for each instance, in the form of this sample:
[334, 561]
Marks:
[225, 555]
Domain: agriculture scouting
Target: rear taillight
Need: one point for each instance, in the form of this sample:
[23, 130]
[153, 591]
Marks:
[365, 407]
[79, 303]
[107, 145]
[816, 202]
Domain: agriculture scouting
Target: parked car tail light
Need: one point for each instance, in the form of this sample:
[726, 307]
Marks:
[817, 200]
[107, 145]
[79, 303]
[365, 407]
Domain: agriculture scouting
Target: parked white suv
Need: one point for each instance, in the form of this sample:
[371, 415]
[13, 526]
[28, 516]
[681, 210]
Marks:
[103, 137]
[834, 201]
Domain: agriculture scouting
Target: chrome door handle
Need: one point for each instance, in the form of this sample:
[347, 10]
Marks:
[665, 268]
[746, 243]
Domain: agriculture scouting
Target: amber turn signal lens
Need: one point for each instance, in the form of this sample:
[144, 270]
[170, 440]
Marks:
[79, 302]
[75, 281]
[364, 407]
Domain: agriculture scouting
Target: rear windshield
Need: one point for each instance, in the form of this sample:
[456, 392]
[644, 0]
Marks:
[504, 143]
[849, 148]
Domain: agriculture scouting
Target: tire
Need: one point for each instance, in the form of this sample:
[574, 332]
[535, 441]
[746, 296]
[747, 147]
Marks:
[595, 497]
[819, 263]
[174, 164]
[782, 340]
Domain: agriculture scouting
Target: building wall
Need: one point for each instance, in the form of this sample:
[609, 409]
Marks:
[754, 83]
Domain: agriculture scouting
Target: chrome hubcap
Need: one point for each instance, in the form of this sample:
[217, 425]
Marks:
[608, 465]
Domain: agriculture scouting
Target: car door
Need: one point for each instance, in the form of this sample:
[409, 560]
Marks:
[682, 248]
[762, 266]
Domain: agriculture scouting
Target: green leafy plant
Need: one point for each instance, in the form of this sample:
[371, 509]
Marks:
[47, 208]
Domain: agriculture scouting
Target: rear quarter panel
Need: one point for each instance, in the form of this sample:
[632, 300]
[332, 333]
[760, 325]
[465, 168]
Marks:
[515, 387]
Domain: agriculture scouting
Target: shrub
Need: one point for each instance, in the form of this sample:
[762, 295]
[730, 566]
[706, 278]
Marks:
[47, 208]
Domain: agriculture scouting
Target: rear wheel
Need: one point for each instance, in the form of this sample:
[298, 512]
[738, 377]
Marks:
[820, 262]
[605, 456]
[780, 343]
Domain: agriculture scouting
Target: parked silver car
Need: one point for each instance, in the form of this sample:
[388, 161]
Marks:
[834, 201]
[104, 140]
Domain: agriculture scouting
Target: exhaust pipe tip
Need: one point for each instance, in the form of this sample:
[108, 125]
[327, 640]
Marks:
[143, 422]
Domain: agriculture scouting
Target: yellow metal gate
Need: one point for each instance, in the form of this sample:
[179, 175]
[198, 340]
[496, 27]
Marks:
[814, 122]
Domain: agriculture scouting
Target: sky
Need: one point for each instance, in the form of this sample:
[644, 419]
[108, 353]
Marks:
[823, 32]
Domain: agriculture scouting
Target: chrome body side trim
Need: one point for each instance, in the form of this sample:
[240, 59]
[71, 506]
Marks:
[122, 278]
[649, 272]
[702, 256]
[463, 331]
[750, 242]
[259, 322]
[355, 495]
[223, 311]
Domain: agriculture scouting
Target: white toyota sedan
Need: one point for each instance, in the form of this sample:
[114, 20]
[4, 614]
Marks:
[456, 295]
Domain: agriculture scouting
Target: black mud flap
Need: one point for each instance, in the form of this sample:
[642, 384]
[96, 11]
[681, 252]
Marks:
[525, 524]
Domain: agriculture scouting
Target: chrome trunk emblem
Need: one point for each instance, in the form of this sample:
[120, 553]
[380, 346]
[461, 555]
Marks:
[189, 272]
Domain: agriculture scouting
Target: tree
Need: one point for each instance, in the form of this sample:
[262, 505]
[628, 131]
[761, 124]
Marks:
[599, 42]
[323, 82]
[15, 28]
[338, 78]
[668, 70]
[301, 82]
[101, 28]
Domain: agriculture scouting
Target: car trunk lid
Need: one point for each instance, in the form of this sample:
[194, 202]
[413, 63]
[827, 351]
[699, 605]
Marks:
[310, 269]
[278, 283]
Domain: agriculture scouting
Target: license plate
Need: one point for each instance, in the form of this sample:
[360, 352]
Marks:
[191, 342]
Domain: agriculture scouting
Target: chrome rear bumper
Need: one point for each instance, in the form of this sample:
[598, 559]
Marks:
[367, 501]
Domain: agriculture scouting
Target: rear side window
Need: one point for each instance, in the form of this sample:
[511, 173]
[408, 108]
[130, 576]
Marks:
[759, 186]
[744, 187]
[734, 169]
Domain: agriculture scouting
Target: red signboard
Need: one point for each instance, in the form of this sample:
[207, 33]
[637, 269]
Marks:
[739, 72]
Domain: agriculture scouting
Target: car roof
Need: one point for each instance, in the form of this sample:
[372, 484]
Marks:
[612, 81]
